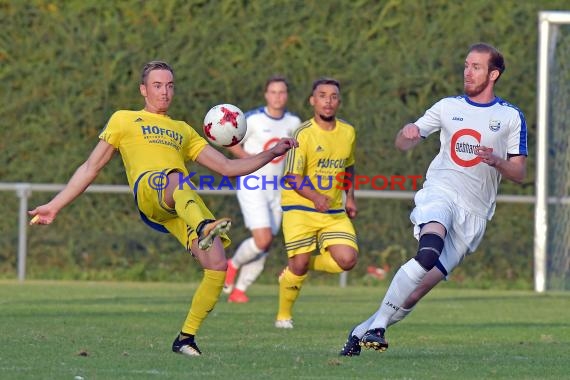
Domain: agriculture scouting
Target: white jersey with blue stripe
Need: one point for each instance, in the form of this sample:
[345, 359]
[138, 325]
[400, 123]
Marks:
[464, 126]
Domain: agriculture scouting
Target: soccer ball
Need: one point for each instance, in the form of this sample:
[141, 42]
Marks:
[225, 125]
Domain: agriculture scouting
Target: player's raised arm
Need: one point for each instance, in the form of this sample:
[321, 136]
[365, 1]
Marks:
[216, 161]
[81, 179]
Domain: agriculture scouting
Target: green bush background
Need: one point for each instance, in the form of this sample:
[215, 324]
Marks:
[66, 66]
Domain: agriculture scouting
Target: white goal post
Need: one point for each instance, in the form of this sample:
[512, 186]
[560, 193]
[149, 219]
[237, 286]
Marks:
[548, 23]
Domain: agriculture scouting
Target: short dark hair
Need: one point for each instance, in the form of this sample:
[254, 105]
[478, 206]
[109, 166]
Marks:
[325, 80]
[276, 78]
[154, 65]
[496, 59]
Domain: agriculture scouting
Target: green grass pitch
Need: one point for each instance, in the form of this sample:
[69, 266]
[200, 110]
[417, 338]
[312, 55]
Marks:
[93, 330]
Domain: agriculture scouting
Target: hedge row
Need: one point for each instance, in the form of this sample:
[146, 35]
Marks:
[67, 65]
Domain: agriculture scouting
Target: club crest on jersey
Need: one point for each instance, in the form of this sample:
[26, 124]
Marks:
[495, 125]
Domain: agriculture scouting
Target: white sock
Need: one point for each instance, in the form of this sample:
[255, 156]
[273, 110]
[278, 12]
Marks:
[246, 252]
[250, 272]
[361, 329]
[403, 284]
[399, 315]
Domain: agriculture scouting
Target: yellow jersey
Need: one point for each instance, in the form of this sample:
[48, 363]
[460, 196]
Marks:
[150, 141]
[321, 157]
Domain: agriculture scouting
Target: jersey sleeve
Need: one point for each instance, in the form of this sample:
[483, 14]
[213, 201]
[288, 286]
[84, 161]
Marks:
[430, 122]
[517, 143]
[195, 145]
[112, 131]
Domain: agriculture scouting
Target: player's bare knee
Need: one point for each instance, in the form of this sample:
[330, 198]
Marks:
[347, 266]
[347, 262]
[299, 267]
[217, 265]
[430, 248]
[263, 243]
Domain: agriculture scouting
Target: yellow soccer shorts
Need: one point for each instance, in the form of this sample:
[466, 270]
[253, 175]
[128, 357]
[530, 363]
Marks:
[306, 231]
[156, 214]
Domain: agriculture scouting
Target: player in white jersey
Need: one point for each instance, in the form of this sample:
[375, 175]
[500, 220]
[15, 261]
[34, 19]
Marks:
[259, 193]
[483, 138]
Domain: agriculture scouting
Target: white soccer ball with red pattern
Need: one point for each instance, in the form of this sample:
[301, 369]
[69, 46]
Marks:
[225, 125]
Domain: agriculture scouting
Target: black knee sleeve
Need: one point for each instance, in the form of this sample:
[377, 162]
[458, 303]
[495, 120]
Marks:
[430, 248]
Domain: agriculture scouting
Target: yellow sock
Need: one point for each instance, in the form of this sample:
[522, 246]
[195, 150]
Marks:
[324, 263]
[289, 287]
[204, 300]
[187, 207]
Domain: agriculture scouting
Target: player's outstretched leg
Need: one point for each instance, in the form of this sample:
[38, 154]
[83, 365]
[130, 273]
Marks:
[351, 346]
[208, 230]
[375, 339]
[185, 345]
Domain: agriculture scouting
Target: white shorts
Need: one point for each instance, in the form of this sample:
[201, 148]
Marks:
[464, 229]
[261, 208]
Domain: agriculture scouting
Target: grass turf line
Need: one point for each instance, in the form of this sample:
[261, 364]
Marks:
[98, 330]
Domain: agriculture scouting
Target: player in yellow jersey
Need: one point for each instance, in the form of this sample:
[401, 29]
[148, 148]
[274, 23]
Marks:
[154, 149]
[314, 215]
